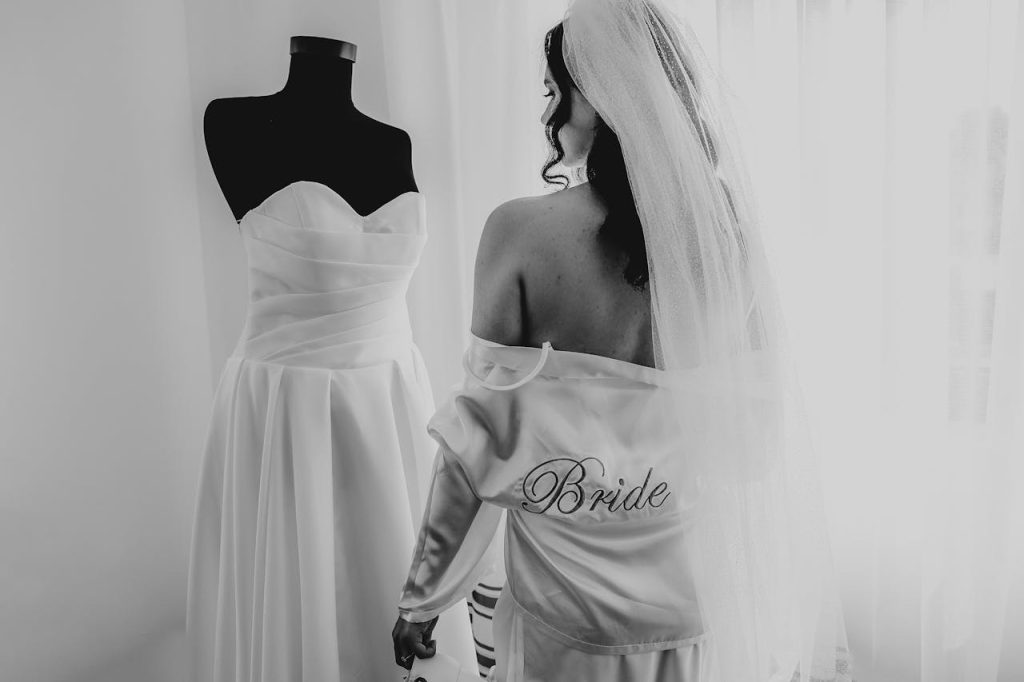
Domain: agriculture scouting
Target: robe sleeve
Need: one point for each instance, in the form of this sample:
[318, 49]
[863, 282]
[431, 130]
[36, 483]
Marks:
[455, 545]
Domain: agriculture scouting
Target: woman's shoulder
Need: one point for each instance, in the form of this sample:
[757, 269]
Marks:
[508, 240]
[534, 221]
[578, 201]
[524, 243]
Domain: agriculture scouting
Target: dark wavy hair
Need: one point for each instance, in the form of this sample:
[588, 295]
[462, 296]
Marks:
[605, 170]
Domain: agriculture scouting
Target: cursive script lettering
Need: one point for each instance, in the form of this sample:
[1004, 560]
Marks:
[562, 483]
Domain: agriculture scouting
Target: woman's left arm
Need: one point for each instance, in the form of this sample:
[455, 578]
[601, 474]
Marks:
[455, 543]
[453, 549]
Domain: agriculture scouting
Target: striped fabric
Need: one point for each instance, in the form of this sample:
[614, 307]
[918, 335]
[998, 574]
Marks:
[481, 614]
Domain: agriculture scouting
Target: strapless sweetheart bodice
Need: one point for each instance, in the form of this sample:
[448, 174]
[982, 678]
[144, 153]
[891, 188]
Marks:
[327, 285]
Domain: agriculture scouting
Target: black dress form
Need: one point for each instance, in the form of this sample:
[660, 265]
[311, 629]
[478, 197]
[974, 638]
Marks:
[310, 130]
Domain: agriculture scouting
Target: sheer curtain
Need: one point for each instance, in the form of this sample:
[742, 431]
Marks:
[887, 141]
[465, 79]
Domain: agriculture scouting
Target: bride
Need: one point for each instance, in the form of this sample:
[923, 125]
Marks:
[628, 403]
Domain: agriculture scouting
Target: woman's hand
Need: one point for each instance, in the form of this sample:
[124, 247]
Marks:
[413, 639]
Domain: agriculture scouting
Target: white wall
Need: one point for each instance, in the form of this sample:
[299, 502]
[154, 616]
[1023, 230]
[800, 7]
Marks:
[104, 351]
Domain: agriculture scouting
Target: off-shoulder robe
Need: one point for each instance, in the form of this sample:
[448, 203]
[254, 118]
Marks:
[581, 454]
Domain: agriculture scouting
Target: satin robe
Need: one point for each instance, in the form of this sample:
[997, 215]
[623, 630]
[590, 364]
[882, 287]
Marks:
[580, 457]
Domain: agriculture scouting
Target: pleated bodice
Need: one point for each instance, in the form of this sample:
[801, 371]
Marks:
[327, 285]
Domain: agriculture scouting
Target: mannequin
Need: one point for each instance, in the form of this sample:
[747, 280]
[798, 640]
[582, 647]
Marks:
[323, 402]
[309, 130]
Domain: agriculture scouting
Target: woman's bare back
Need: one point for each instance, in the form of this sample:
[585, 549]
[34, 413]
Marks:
[575, 294]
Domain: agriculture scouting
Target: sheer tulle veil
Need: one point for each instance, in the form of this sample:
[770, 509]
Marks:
[760, 552]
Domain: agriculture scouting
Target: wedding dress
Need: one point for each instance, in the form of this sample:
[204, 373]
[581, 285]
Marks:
[317, 461]
[579, 453]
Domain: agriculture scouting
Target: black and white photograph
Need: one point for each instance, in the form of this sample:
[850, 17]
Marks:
[512, 341]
